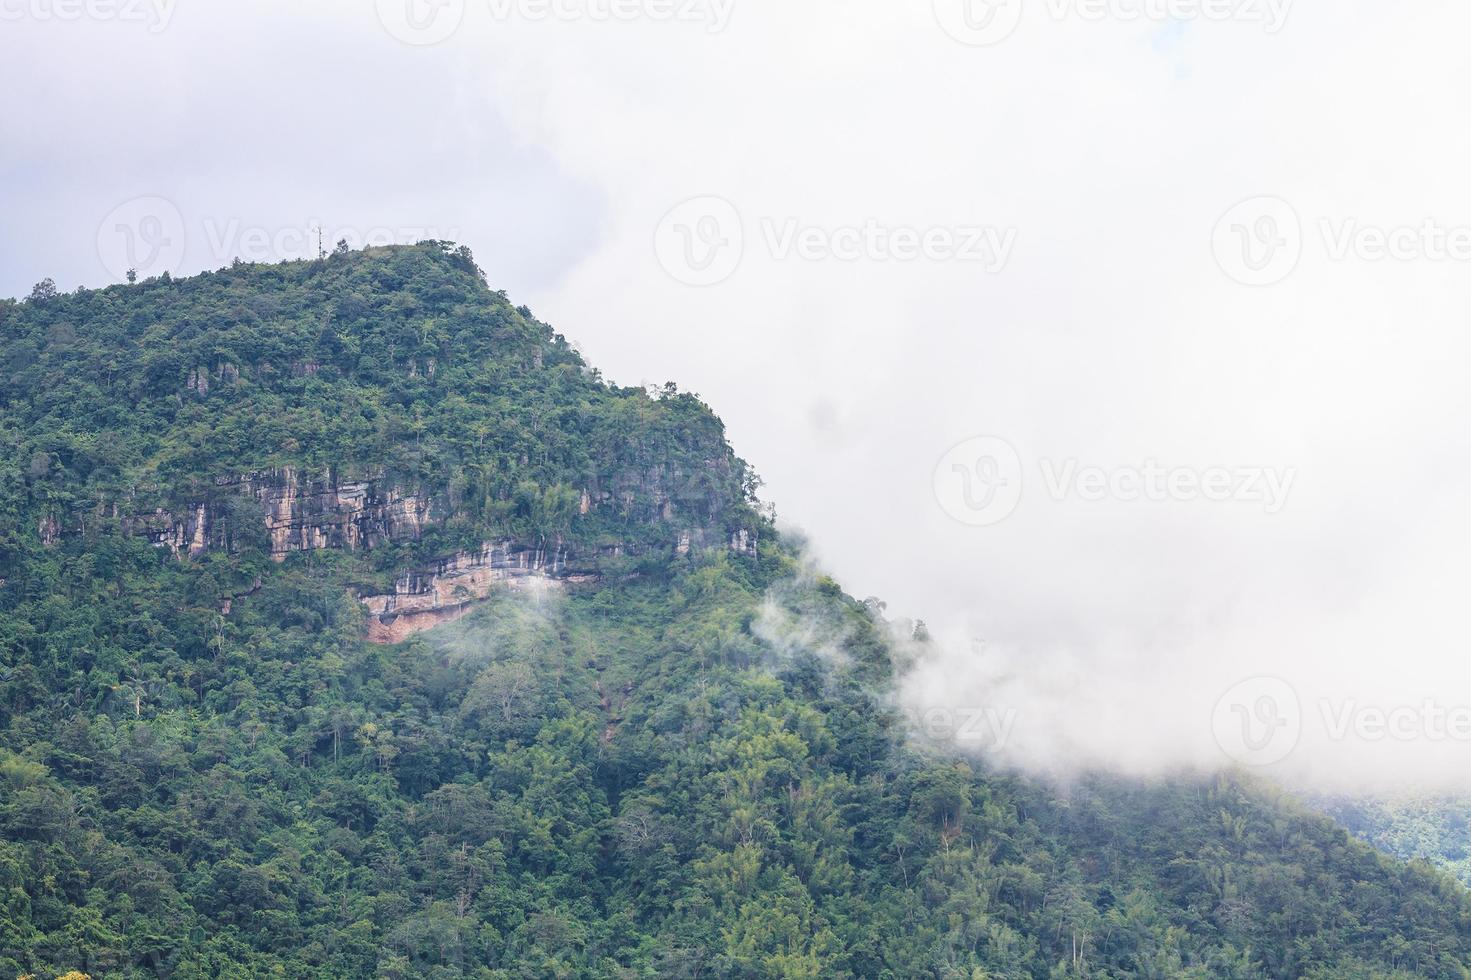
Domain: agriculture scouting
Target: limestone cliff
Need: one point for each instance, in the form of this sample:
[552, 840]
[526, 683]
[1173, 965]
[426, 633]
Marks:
[444, 592]
[286, 510]
[298, 512]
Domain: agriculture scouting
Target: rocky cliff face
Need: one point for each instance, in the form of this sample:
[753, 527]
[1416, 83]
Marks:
[300, 512]
[448, 589]
[287, 510]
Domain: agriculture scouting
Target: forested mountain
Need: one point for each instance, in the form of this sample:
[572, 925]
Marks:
[352, 626]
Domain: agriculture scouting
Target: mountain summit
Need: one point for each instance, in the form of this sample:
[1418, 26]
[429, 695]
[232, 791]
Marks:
[385, 404]
[352, 626]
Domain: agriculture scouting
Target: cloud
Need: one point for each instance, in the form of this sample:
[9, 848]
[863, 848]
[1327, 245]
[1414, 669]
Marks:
[1115, 630]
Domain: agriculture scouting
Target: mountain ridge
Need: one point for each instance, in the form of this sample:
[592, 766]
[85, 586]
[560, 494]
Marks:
[306, 492]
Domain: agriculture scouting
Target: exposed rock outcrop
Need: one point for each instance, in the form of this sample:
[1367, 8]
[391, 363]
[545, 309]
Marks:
[299, 512]
[442, 593]
[303, 511]
[49, 529]
[743, 542]
[307, 515]
[288, 510]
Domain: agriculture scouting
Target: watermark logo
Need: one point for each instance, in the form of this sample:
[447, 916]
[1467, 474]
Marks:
[142, 237]
[979, 481]
[979, 23]
[1259, 241]
[421, 22]
[1258, 722]
[1261, 721]
[700, 241]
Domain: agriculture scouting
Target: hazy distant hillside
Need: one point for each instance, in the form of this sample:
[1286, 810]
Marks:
[352, 626]
[1428, 828]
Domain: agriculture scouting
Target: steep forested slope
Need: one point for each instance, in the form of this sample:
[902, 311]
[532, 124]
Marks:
[616, 754]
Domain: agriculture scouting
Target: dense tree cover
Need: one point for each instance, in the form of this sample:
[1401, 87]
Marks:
[1413, 827]
[650, 776]
[400, 361]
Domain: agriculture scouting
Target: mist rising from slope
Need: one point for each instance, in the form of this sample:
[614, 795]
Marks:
[1109, 630]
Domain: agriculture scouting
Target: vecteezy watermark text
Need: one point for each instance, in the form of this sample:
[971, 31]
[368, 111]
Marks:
[1262, 240]
[148, 236]
[1157, 483]
[984, 727]
[157, 14]
[980, 481]
[789, 238]
[234, 238]
[1260, 721]
[714, 15]
[701, 242]
[425, 22]
[985, 22]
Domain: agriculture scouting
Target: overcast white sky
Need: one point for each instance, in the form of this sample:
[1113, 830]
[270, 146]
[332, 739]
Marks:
[1226, 439]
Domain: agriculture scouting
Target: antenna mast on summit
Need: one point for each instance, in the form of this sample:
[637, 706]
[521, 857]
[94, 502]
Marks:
[321, 252]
